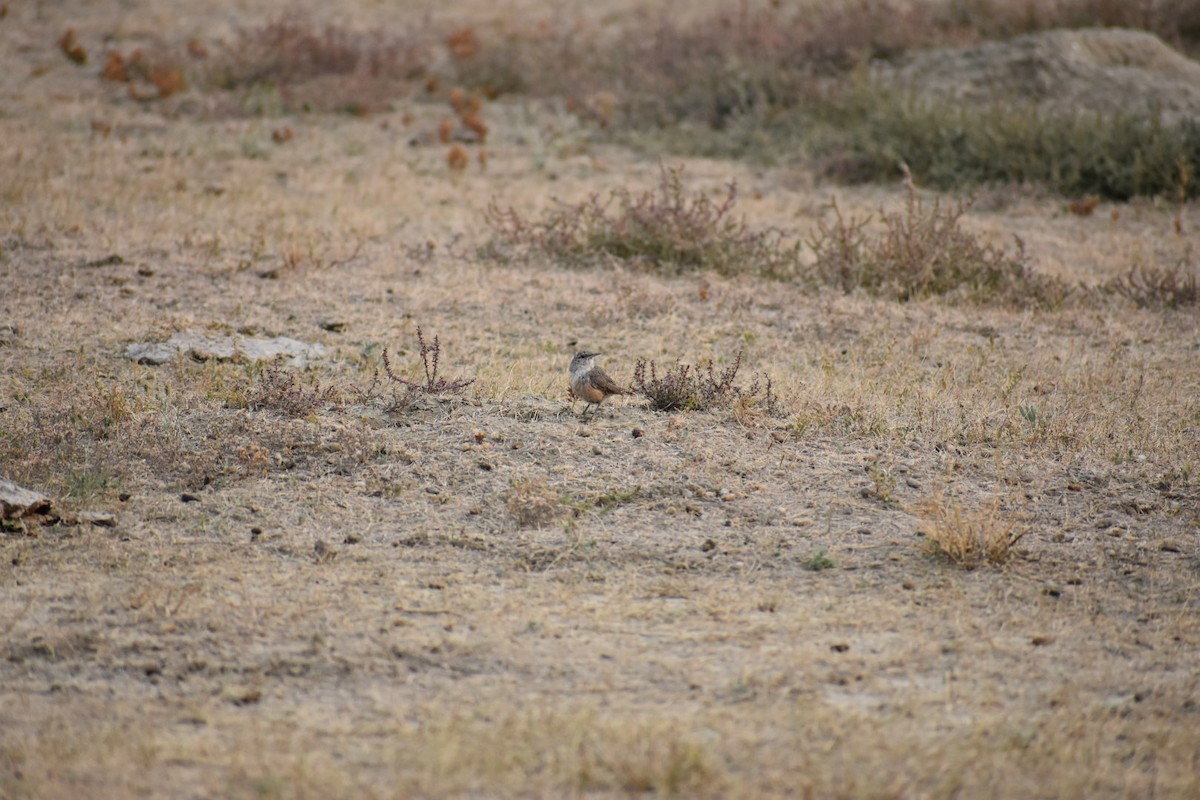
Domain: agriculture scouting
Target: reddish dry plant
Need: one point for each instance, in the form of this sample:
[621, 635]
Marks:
[149, 77]
[430, 357]
[463, 43]
[280, 390]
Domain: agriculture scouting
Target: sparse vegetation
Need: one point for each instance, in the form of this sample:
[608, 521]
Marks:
[280, 390]
[818, 562]
[687, 387]
[1158, 287]
[925, 252]
[293, 65]
[662, 229]
[405, 391]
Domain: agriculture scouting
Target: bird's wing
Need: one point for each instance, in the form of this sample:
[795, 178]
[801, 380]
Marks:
[604, 383]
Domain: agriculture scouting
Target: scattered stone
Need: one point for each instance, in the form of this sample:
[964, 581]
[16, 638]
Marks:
[224, 348]
[1169, 546]
[1041, 641]
[101, 519]
[186, 497]
[108, 261]
[840, 647]
[241, 695]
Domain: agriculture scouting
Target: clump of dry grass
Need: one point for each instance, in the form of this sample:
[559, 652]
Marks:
[666, 228]
[687, 387]
[924, 252]
[968, 538]
[533, 503]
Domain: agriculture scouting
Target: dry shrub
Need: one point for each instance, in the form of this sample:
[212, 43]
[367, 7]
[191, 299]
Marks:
[924, 252]
[279, 390]
[431, 354]
[969, 539]
[405, 392]
[665, 229]
[457, 158]
[1158, 287]
[687, 387]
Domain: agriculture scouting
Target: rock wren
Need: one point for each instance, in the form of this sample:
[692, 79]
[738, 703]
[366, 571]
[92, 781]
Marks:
[589, 382]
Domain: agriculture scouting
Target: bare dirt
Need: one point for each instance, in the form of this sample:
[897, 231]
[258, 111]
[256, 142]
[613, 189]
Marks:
[489, 593]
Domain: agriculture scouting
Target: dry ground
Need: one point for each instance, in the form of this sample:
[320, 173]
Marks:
[490, 595]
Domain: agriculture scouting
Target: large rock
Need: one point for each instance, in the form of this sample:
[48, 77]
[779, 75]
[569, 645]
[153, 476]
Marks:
[224, 348]
[17, 502]
[1091, 70]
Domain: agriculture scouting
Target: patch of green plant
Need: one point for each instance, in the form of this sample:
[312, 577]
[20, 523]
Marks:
[1116, 156]
[617, 497]
[818, 562]
[86, 484]
[666, 228]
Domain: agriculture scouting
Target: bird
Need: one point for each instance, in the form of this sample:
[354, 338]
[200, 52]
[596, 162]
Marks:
[589, 382]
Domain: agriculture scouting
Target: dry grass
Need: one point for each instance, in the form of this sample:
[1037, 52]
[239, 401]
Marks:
[969, 538]
[489, 595]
